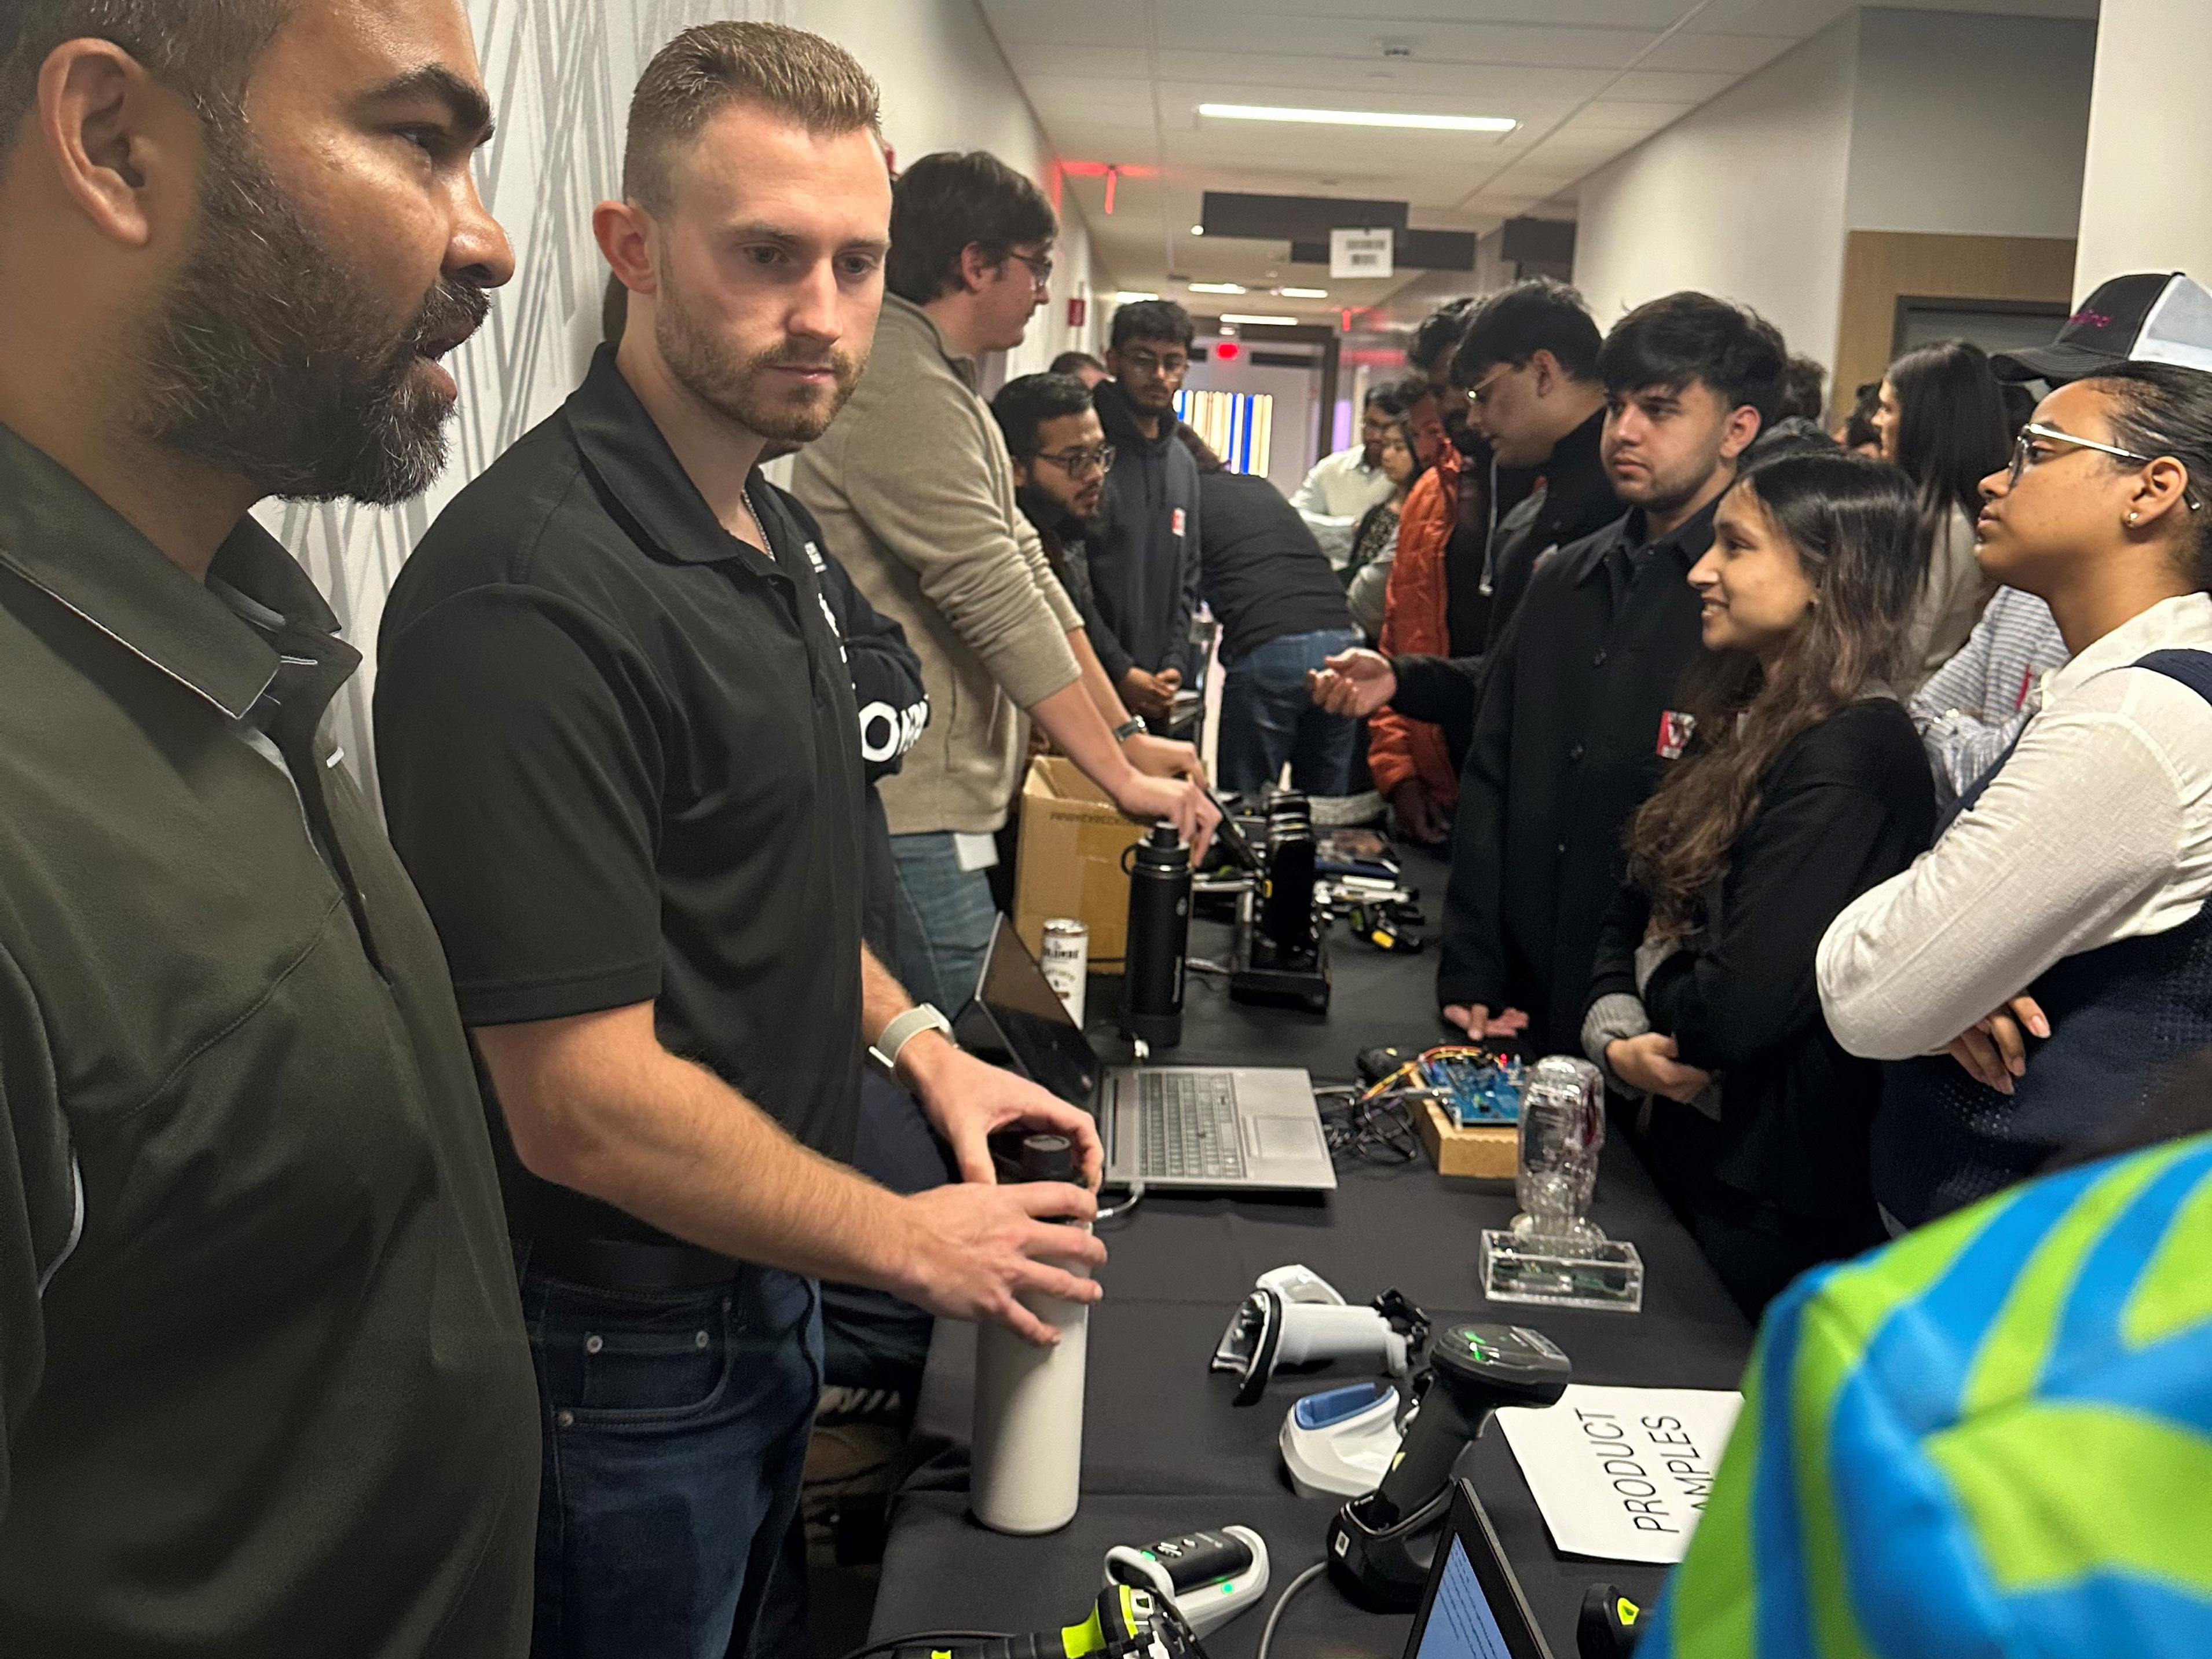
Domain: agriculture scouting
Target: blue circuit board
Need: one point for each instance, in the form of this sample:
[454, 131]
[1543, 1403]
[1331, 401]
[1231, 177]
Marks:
[1475, 1091]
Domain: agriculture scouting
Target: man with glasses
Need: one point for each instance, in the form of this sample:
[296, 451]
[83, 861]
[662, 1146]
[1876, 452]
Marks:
[1529, 360]
[1144, 563]
[1061, 459]
[1342, 487]
[916, 492]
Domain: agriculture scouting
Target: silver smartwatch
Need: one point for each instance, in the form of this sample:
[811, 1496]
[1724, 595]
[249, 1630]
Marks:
[902, 1029]
[1128, 728]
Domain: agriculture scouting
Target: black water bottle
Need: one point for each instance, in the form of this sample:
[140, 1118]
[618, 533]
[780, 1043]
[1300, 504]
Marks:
[1160, 933]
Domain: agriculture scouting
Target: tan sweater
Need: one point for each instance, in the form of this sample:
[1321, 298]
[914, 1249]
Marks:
[916, 492]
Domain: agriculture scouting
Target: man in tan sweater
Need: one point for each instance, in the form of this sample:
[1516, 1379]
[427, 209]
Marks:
[914, 489]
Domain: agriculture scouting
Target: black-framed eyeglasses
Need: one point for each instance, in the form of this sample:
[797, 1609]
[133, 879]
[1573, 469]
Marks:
[1145, 363]
[2024, 458]
[1040, 266]
[1082, 462]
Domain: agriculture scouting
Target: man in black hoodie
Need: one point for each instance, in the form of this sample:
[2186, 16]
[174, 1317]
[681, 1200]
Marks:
[1528, 364]
[1143, 557]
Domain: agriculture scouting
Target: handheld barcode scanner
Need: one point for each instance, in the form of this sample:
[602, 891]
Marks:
[1296, 1317]
[1208, 1576]
[1127, 1623]
[1380, 1545]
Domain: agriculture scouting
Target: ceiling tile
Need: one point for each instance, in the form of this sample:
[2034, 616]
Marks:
[1722, 54]
[1117, 63]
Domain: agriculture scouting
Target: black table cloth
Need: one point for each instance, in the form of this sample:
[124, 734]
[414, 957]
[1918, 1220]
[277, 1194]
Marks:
[1163, 1449]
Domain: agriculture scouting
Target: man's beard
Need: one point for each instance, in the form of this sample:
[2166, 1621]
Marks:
[273, 360]
[748, 392]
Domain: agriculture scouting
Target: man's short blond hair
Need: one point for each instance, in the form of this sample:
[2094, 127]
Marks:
[802, 76]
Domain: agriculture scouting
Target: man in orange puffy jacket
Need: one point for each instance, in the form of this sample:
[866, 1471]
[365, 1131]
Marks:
[1412, 767]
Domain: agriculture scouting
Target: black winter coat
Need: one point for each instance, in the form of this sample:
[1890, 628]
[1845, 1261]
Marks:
[1845, 806]
[1566, 747]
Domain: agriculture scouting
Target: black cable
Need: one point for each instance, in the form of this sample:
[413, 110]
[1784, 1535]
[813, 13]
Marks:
[916, 1638]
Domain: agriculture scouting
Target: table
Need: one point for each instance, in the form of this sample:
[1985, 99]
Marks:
[1164, 1451]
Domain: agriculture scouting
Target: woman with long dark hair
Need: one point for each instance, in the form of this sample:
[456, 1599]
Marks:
[1941, 417]
[1800, 783]
[2065, 901]
[1374, 544]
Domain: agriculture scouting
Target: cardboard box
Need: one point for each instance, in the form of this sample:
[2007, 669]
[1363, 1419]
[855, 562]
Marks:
[1491, 1152]
[1070, 863]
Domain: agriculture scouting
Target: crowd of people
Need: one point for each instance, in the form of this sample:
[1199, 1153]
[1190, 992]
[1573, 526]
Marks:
[1748, 734]
[424, 1245]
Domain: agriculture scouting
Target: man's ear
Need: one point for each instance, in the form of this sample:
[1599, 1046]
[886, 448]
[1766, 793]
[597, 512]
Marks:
[976, 271]
[1740, 431]
[123, 148]
[624, 234]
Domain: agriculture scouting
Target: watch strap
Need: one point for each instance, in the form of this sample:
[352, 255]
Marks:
[1128, 728]
[903, 1028]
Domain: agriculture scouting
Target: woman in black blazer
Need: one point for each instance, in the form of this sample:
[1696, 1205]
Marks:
[1799, 783]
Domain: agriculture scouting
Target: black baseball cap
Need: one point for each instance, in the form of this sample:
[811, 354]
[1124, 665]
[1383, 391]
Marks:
[2151, 316]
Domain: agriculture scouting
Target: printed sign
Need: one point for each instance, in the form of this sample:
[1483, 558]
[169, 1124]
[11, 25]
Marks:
[1622, 1474]
[1359, 253]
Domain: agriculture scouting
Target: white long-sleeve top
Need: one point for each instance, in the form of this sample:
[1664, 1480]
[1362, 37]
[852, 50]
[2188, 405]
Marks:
[2097, 828]
[1336, 495]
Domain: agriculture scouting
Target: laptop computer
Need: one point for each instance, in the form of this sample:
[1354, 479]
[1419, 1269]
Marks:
[1208, 1128]
[1473, 1608]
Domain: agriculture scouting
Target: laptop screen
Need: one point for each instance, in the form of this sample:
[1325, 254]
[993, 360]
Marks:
[1034, 1023]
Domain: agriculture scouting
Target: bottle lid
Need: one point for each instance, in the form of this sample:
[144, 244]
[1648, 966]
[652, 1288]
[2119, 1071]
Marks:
[1049, 1158]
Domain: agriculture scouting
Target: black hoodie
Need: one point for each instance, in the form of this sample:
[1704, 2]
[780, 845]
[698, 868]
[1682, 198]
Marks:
[1145, 558]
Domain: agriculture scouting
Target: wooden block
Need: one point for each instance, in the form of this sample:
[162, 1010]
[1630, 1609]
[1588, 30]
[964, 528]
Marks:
[1490, 1153]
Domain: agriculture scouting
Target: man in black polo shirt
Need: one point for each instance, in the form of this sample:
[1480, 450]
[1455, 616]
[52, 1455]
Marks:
[264, 1389]
[1574, 725]
[620, 754]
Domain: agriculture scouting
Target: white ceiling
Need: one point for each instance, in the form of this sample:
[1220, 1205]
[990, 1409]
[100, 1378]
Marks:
[1120, 82]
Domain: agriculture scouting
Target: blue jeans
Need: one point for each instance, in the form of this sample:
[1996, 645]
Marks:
[675, 1428]
[1267, 717]
[945, 918]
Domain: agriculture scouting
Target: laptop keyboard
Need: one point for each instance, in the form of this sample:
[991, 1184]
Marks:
[1188, 1127]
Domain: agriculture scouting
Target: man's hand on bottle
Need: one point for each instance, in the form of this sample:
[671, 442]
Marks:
[1355, 683]
[1176, 801]
[975, 1250]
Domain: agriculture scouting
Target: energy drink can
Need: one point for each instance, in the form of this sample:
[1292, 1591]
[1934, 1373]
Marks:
[1065, 959]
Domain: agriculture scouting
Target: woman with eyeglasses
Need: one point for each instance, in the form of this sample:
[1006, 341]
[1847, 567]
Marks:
[2035, 973]
[1940, 415]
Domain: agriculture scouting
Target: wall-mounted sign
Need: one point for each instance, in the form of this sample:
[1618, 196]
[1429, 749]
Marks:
[1359, 253]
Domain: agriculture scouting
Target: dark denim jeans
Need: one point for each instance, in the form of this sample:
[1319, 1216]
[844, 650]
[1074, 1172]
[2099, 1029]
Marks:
[675, 1426]
[1267, 717]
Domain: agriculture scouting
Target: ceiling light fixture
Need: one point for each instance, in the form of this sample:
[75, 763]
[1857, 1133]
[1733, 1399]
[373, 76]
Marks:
[1218, 288]
[1260, 318]
[1131, 296]
[1360, 118]
[1302, 293]
[1198, 230]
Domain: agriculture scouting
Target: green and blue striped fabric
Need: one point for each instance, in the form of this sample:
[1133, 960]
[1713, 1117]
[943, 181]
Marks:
[1992, 1437]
